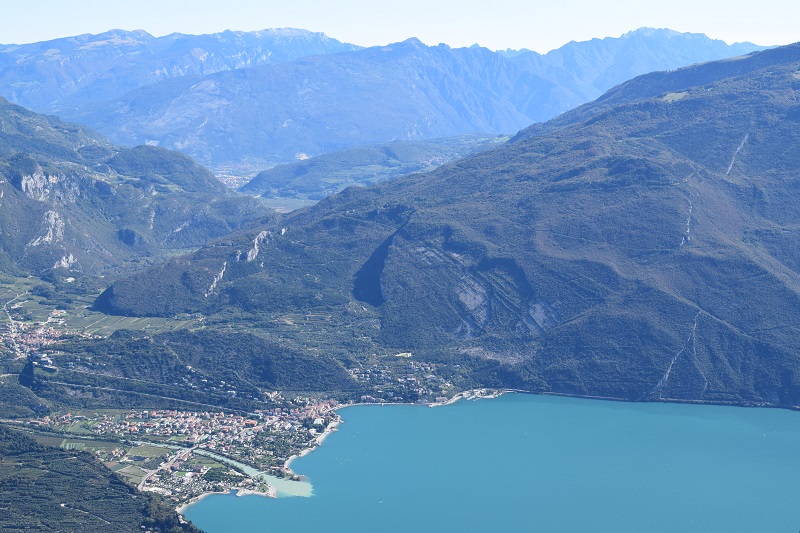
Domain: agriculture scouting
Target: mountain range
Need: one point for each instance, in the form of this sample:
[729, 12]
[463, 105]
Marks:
[72, 202]
[267, 97]
[642, 246]
[61, 75]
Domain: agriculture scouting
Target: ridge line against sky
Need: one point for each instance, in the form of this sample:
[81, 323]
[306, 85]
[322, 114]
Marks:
[500, 24]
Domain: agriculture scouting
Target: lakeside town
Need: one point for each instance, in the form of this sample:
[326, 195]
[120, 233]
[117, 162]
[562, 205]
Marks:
[183, 454]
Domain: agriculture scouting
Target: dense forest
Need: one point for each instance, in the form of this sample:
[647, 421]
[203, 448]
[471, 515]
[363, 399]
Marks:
[38, 493]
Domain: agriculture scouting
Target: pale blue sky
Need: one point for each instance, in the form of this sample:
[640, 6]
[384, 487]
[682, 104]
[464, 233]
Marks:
[496, 24]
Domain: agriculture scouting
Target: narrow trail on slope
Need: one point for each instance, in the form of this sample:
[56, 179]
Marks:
[690, 341]
[739, 149]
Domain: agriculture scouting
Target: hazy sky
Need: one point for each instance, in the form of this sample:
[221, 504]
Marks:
[496, 24]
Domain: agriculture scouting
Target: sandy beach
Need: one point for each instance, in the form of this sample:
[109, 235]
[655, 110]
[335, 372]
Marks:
[328, 430]
[271, 493]
[194, 500]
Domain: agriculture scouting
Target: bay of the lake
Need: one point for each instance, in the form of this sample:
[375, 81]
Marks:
[541, 464]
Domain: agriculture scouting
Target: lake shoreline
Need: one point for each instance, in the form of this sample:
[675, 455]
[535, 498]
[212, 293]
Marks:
[565, 451]
[467, 395]
[317, 442]
[271, 493]
[472, 394]
[185, 505]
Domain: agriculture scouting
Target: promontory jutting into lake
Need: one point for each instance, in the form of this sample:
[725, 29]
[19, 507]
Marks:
[538, 464]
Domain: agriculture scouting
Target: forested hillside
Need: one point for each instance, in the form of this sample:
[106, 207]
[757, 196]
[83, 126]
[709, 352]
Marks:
[50, 489]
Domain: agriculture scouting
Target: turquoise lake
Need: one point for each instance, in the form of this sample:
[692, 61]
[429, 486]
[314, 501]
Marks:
[540, 464]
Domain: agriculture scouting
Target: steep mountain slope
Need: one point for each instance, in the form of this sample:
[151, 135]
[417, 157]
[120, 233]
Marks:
[54, 76]
[403, 91]
[644, 246]
[70, 200]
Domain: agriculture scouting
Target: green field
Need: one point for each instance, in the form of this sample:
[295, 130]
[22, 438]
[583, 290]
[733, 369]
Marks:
[77, 314]
[86, 321]
[149, 451]
[132, 474]
[68, 442]
[49, 441]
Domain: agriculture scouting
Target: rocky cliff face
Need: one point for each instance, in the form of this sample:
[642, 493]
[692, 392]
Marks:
[70, 201]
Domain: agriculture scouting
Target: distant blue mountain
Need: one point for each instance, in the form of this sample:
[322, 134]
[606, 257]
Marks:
[582, 71]
[64, 74]
[188, 92]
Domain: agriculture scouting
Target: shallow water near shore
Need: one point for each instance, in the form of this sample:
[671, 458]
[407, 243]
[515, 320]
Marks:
[538, 463]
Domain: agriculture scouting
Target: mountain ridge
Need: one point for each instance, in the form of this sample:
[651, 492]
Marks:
[59, 74]
[643, 246]
[269, 112]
